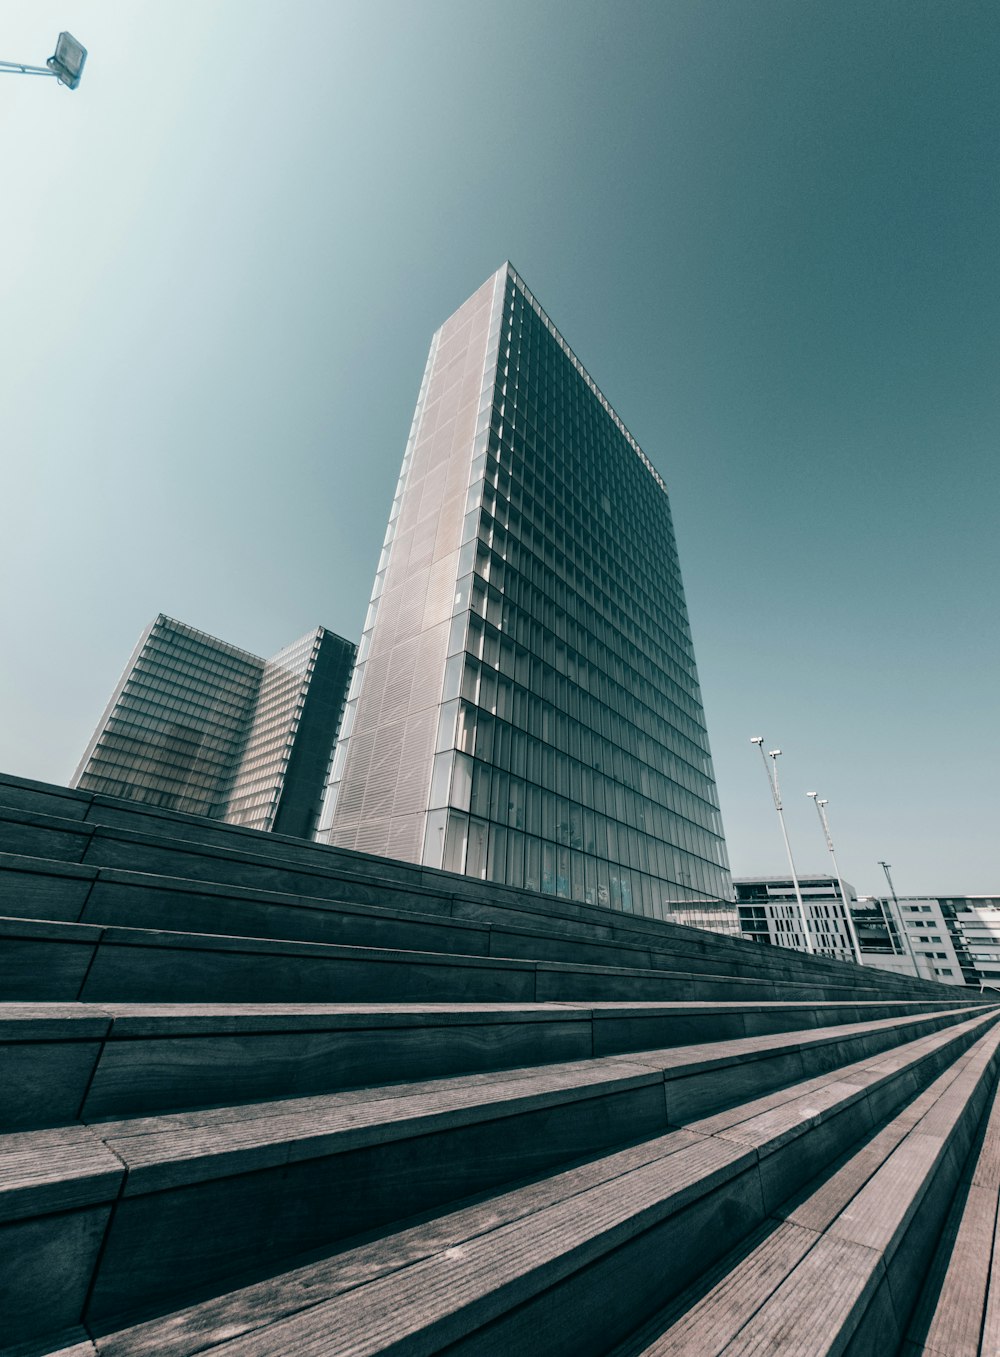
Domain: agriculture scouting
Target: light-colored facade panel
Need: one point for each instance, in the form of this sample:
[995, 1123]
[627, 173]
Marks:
[385, 773]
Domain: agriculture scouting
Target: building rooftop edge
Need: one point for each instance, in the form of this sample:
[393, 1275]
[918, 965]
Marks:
[508, 268]
[239, 650]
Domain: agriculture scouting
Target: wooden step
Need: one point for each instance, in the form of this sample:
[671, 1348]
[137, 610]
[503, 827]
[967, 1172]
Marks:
[293, 867]
[727, 1310]
[65, 962]
[138, 900]
[564, 1265]
[61, 1062]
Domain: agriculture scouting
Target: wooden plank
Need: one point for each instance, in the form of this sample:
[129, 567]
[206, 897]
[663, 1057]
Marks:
[43, 888]
[48, 1264]
[185, 1148]
[262, 1303]
[54, 1170]
[444, 1296]
[42, 1083]
[705, 1329]
[824, 1297]
[32, 834]
[959, 1302]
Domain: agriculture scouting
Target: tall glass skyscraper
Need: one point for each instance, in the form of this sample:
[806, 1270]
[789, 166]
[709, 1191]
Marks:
[525, 705]
[200, 726]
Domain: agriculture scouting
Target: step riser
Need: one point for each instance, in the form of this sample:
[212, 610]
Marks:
[96, 970]
[72, 842]
[462, 928]
[169, 1241]
[48, 1083]
[883, 1324]
[599, 1306]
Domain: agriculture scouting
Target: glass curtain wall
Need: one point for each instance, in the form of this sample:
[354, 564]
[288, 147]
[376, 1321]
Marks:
[177, 722]
[571, 753]
[566, 750]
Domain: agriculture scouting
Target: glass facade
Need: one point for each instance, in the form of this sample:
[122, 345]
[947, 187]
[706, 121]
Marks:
[253, 799]
[560, 744]
[280, 781]
[199, 726]
[177, 723]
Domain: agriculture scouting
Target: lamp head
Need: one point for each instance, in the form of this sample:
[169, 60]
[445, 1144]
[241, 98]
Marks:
[756, 739]
[812, 794]
[773, 753]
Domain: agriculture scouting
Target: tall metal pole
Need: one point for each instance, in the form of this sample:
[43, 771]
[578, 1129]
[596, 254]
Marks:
[900, 921]
[821, 805]
[772, 781]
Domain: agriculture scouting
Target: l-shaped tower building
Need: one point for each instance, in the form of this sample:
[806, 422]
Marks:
[525, 705]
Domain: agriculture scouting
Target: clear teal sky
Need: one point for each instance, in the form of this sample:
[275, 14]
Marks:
[769, 228]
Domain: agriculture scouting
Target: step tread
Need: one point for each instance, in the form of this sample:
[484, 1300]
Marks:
[958, 1294]
[500, 1251]
[25, 1020]
[831, 1288]
[704, 1320]
[164, 1150]
[55, 1169]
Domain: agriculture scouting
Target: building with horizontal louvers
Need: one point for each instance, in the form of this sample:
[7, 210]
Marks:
[200, 726]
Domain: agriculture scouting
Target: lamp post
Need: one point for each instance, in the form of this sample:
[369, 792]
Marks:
[772, 781]
[900, 921]
[65, 64]
[821, 803]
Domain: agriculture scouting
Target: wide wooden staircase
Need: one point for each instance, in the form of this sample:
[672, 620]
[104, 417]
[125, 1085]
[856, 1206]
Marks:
[260, 1096]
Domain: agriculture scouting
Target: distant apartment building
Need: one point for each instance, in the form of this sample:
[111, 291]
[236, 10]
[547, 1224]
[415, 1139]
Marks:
[769, 912]
[956, 937]
[200, 726]
[525, 707]
[953, 939]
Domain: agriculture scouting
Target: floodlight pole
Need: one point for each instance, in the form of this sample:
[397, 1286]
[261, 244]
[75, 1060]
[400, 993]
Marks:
[772, 781]
[900, 920]
[821, 804]
[65, 65]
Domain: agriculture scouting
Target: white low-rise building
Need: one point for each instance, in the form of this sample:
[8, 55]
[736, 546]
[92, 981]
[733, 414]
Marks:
[953, 939]
[769, 913]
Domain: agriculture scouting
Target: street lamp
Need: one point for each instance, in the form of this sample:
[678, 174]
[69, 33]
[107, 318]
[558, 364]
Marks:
[66, 63]
[772, 780]
[821, 803]
[900, 921]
